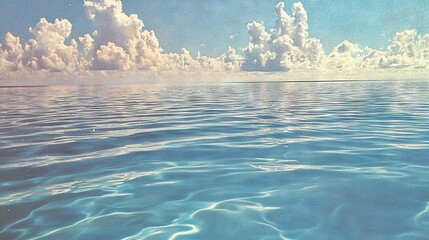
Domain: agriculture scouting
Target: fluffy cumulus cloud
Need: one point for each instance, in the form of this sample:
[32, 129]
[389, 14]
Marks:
[408, 51]
[48, 50]
[286, 47]
[11, 53]
[121, 42]
[345, 56]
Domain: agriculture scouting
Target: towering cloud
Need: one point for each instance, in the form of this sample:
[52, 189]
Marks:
[87, 52]
[11, 53]
[408, 49]
[287, 47]
[120, 41]
[48, 50]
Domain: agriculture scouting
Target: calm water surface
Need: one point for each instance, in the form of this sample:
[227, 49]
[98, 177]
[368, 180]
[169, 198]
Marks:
[229, 161]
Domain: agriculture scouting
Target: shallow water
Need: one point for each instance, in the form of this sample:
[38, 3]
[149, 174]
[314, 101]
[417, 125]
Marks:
[230, 161]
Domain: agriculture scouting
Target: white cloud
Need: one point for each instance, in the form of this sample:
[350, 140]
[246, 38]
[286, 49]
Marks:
[287, 47]
[232, 60]
[87, 52]
[122, 36]
[408, 49]
[48, 50]
[120, 42]
[10, 53]
[345, 56]
[111, 57]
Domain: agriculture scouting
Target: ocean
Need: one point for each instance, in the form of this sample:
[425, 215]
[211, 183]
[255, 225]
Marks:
[279, 160]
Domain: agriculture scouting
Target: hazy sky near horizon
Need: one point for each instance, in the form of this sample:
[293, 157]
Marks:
[212, 26]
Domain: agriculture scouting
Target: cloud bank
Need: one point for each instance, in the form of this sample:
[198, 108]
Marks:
[121, 43]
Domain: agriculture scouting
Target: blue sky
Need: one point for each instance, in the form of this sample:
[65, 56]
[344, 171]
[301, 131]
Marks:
[208, 25]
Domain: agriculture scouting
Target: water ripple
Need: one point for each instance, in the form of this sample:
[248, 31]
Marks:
[229, 161]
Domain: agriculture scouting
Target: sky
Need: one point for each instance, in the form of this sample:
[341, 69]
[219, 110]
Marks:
[211, 27]
[208, 25]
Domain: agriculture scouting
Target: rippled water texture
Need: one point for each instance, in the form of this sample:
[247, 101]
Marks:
[229, 161]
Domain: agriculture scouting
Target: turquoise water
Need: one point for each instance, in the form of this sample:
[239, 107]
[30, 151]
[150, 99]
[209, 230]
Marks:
[345, 160]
